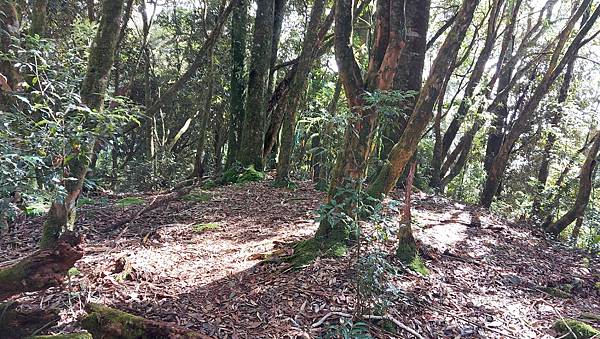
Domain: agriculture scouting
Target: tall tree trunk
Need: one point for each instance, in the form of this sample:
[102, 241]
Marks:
[442, 148]
[404, 149]
[61, 215]
[556, 65]
[297, 89]
[10, 78]
[198, 170]
[409, 75]
[278, 16]
[253, 132]
[351, 163]
[239, 23]
[544, 170]
[583, 194]
[39, 17]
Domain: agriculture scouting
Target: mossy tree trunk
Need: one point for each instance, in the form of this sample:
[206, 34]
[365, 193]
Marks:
[61, 216]
[297, 89]
[10, 78]
[583, 194]
[108, 323]
[406, 146]
[556, 65]
[39, 17]
[239, 23]
[253, 131]
[16, 323]
[42, 269]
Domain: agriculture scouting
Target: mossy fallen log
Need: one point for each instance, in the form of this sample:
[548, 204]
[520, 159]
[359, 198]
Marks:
[575, 329]
[42, 269]
[109, 323]
[19, 323]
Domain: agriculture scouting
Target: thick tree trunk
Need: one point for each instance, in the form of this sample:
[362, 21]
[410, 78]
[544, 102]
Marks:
[108, 323]
[10, 78]
[404, 149]
[39, 17]
[297, 89]
[61, 216]
[556, 65]
[253, 132]
[409, 74]
[583, 195]
[239, 19]
[17, 323]
[42, 269]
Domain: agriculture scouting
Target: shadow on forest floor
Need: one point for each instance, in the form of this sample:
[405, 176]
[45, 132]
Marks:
[488, 278]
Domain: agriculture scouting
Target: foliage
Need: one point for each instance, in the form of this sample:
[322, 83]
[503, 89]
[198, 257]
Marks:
[240, 175]
[347, 329]
[201, 228]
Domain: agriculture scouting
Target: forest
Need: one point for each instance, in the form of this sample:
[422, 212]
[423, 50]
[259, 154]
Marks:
[299, 169]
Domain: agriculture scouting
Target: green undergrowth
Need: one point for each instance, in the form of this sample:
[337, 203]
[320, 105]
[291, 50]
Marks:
[201, 228]
[575, 329]
[241, 175]
[198, 196]
[130, 201]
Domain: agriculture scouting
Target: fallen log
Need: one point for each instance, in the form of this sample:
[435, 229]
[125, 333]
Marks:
[42, 269]
[20, 323]
[109, 323]
[80, 335]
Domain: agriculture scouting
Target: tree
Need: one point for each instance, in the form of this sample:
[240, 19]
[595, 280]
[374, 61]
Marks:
[521, 124]
[61, 216]
[252, 138]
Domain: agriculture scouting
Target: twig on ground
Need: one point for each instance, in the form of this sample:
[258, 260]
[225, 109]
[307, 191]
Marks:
[509, 335]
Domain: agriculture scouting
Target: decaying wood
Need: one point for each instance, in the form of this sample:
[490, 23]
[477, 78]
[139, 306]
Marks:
[18, 323]
[42, 269]
[109, 323]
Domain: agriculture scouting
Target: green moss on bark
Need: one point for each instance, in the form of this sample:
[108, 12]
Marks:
[80, 335]
[575, 329]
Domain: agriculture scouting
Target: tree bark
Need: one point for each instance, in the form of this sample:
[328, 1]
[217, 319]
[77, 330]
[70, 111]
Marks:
[555, 67]
[42, 269]
[404, 149]
[297, 89]
[253, 132]
[239, 19]
[10, 78]
[39, 17]
[108, 323]
[61, 216]
[583, 194]
[17, 323]
[409, 74]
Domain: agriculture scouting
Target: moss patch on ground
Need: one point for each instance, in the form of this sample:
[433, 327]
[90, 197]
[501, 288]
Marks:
[574, 329]
[197, 197]
[239, 175]
[201, 228]
[130, 201]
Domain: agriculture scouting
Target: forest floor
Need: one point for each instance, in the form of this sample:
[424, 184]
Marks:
[197, 262]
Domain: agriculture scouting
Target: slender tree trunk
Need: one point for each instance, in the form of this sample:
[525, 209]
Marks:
[253, 132]
[404, 149]
[278, 16]
[555, 67]
[10, 78]
[544, 170]
[297, 89]
[583, 195]
[198, 170]
[239, 24]
[61, 215]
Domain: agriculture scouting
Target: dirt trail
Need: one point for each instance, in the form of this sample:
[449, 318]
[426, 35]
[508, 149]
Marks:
[197, 263]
